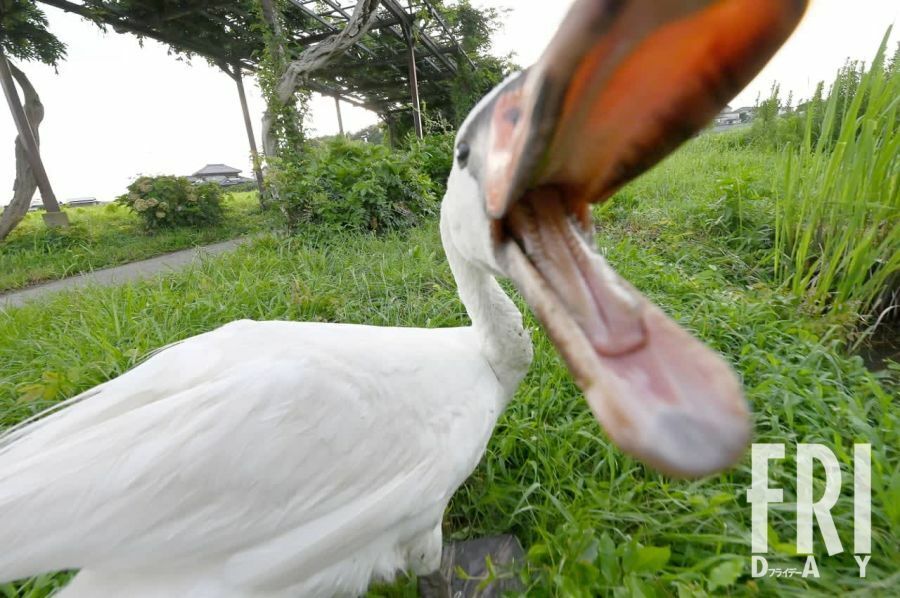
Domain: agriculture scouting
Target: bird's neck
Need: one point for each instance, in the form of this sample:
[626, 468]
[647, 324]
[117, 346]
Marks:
[496, 321]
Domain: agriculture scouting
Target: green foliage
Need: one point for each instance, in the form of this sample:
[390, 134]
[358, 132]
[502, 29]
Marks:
[169, 201]
[450, 101]
[838, 213]
[38, 587]
[776, 123]
[434, 156]
[287, 119]
[102, 236]
[24, 35]
[371, 134]
[475, 27]
[248, 187]
[594, 522]
[222, 32]
[355, 186]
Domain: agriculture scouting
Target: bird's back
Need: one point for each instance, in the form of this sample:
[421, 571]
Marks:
[262, 453]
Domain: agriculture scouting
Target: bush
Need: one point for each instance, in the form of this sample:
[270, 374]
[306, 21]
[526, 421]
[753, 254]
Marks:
[248, 187]
[355, 186]
[434, 155]
[169, 201]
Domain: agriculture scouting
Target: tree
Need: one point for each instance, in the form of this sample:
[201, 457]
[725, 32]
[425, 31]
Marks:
[475, 28]
[24, 35]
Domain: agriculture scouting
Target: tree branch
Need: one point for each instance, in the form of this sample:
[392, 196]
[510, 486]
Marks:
[319, 55]
[26, 181]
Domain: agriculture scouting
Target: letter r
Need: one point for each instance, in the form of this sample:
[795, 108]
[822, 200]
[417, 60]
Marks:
[806, 508]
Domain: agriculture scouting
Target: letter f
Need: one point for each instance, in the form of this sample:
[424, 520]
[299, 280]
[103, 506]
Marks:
[760, 495]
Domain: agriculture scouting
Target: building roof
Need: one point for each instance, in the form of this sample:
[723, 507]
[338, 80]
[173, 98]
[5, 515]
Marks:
[217, 169]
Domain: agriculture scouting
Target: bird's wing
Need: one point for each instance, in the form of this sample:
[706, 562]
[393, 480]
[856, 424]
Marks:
[220, 447]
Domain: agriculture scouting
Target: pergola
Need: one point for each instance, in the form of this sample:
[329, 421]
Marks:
[408, 47]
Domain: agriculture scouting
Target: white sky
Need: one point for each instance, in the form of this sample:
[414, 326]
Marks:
[116, 110]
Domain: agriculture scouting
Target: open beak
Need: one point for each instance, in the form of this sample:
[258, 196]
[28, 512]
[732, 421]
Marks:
[623, 83]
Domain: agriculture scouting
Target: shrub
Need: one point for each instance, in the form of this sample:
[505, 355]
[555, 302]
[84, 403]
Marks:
[777, 123]
[248, 187]
[169, 201]
[354, 186]
[434, 155]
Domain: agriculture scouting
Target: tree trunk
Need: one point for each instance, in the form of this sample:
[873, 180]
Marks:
[315, 58]
[270, 16]
[273, 20]
[26, 181]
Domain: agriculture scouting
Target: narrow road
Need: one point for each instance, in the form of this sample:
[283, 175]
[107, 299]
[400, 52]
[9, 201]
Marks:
[119, 274]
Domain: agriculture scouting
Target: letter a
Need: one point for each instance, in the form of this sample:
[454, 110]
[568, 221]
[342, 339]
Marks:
[810, 568]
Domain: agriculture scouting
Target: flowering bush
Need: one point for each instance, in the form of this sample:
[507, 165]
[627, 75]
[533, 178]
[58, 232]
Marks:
[169, 201]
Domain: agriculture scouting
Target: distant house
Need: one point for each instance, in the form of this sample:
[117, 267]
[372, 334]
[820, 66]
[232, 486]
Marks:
[222, 174]
[728, 116]
[80, 202]
[747, 113]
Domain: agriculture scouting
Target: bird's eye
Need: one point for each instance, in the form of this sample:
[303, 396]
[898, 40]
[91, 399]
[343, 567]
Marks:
[462, 153]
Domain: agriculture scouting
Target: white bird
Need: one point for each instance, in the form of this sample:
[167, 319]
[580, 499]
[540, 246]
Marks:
[270, 459]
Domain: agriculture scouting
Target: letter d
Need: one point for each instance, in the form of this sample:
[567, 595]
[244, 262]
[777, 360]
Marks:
[759, 565]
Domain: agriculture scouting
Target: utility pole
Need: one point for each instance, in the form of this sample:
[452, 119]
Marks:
[248, 124]
[413, 80]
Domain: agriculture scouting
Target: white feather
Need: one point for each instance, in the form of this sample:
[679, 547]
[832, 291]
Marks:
[267, 458]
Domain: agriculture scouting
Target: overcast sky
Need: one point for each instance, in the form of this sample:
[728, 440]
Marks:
[115, 110]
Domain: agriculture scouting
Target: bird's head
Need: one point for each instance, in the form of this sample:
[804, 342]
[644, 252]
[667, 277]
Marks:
[622, 84]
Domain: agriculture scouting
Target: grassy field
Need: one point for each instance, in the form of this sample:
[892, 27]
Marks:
[103, 236]
[693, 236]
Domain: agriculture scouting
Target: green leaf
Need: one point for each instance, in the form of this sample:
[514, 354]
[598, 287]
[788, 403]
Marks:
[725, 574]
[647, 558]
[609, 561]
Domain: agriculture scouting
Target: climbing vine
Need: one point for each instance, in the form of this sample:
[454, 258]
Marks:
[283, 135]
[282, 80]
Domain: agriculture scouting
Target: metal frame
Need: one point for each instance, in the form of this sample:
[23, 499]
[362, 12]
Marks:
[369, 75]
[404, 44]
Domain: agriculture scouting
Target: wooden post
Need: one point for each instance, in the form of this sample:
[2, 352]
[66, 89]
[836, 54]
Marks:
[413, 81]
[54, 217]
[337, 105]
[391, 123]
[248, 124]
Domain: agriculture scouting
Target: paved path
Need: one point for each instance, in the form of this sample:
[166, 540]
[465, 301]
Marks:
[119, 274]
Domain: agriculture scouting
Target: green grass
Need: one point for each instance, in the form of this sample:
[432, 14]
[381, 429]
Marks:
[103, 236]
[838, 215]
[693, 235]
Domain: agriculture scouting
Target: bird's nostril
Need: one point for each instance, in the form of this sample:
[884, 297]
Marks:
[513, 114]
